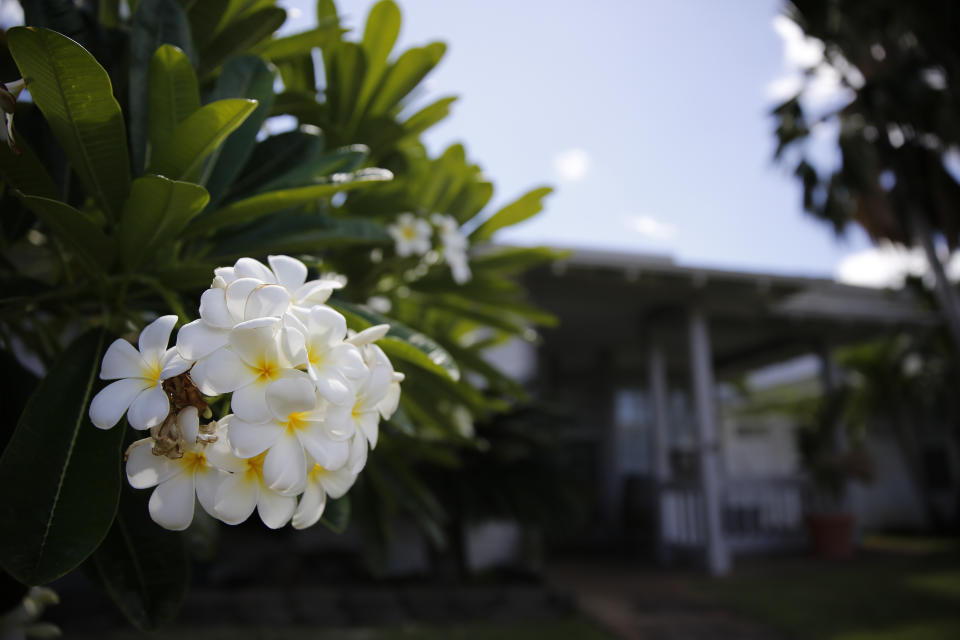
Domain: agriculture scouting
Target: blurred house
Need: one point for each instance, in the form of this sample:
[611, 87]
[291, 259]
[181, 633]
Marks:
[652, 357]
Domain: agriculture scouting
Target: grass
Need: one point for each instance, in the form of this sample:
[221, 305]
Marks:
[911, 590]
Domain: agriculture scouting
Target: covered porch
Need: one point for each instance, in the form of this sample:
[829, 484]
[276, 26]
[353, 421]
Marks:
[646, 350]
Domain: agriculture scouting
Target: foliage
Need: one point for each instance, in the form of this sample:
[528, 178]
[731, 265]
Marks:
[893, 120]
[146, 162]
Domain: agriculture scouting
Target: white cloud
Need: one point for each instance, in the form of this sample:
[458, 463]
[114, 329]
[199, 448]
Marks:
[571, 165]
[887, 265]
[650, 227]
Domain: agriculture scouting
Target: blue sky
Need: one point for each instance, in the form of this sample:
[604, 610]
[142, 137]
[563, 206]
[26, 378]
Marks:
[655, 112]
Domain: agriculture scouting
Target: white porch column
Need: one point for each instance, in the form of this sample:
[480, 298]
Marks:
[701, 366]
[659, 443]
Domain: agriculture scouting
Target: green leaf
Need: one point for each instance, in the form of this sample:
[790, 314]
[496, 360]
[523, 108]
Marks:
[205, 17]
[517, 211]
[428, 116]
[337, 161]
[473, 197]
[272, 201]
[75, 95]
[142, 567]
[276, 157]
[299, 44]
[336, 514]
[346, 66]
[298, 232]
[173, 93]
[510, 260]
[59, 475]
[247, 77]
[75, 229]
[156, 212]
[404, 75]
[181, 155]
[25, 172]
[239, 36]
[437, 358]
[379, 36]
[155, 23]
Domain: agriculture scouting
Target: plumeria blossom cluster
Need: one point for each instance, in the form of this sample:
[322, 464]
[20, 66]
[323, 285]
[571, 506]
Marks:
[305, 400]
[413, 237]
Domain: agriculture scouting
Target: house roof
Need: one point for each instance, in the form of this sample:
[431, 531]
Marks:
[611, 304]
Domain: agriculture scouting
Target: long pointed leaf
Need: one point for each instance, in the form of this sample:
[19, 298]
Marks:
[59, 475]
[524, 207]
[379, 36]
[173, 93]
[273, 201]
[74, 229]
[75, 95]
[404, 75]
[181, 156]
[156, 212]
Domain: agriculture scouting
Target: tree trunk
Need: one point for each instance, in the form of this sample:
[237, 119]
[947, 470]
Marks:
[946, 293]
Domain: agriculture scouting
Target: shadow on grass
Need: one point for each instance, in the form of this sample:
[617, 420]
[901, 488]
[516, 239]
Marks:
[878, 596]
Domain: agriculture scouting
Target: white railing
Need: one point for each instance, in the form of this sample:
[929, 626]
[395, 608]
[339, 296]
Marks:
[758, 513]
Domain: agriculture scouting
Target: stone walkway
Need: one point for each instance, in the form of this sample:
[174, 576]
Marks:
[640, 603]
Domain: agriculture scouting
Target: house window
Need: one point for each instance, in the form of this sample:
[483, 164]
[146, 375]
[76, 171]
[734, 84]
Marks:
[632, 421]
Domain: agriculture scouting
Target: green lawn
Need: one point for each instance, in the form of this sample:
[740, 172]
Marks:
[894, 590]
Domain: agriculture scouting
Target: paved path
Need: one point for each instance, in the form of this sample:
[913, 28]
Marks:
[639, 603]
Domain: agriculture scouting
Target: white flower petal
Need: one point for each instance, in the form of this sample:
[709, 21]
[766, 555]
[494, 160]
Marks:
[315, 292]
[220, 454]
[171, 504]
[155, 336]
[358, 454]
[213, 309]
[197, 339]
[347, 358]
[207, 481]
[189, 422]
[290, 395]
[145, 470]
[275, 510]
[255, 341]
[266, 301]
[109, 405]
[369, 335]
[236, 294]
[172, 364]
[336, 483]
[228, 274]
[249, 440]
[250, 268]
[328, 321]
[149, 409]
[388, 406]
[285, 467]
[122, 360]
[328, 453]
[236, 498]
[368, 421]
[249, 403]
[221, 372]
[311, 506]
[293, 339]
[290, 272]
[332, 385]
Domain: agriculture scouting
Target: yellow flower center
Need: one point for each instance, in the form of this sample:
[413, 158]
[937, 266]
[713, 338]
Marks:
[266, 370]
[296, 421]
[408, 233]
[193, 461]
[255, 465]
[314, 355]
[316, 472]
[152, 373]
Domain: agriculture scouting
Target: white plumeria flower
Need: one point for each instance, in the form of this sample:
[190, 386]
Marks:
[335, 366]
[411, 234]
[363, 414]
[251, 360]
[139, 375]
[176, 480]
[247, 291]
[321, 483]
[448, 229]
[456, 258]
[388, 406]
[9, 93]
[298, 424]
[244, 489]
